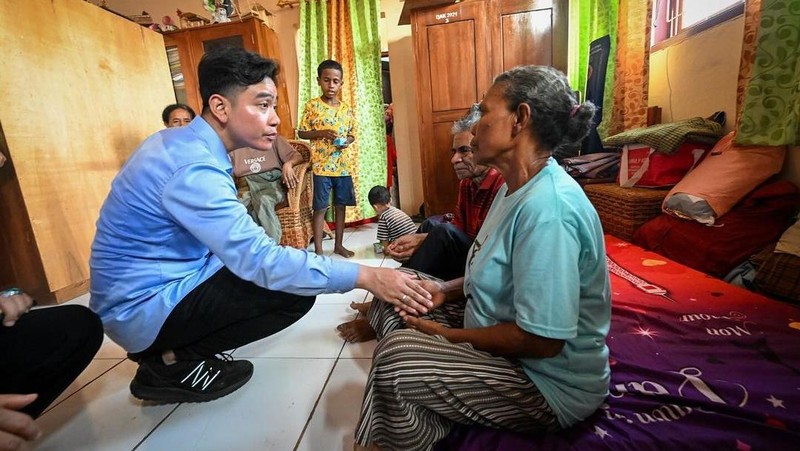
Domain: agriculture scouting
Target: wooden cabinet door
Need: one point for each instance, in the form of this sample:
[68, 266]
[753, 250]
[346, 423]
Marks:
[231, 34]
[183, 69]
[530, 32]
[451, 46]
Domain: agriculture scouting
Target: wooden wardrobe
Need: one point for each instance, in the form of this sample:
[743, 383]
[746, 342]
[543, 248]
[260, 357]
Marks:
[459, 49]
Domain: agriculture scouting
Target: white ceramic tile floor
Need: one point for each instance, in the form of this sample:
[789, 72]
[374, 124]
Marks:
[304, 395]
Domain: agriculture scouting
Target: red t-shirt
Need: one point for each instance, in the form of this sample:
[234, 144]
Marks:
[474, 202]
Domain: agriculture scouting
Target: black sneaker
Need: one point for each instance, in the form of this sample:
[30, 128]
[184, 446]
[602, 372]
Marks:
[189, 380]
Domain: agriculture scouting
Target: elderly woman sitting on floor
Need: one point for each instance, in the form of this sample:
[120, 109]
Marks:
[528, 353]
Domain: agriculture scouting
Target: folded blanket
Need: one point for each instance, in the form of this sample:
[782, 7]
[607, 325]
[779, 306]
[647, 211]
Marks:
[666, 138]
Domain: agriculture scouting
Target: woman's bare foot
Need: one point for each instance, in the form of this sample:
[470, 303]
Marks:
[343, 252]
[356, 331]
[361, 307]
[357, 447]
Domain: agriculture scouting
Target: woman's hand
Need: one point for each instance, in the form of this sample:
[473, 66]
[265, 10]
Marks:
[395, 287]
[404, 247]
[16, 427]
[289, 177]
[14, 306]
[425, 326]
[438, 297]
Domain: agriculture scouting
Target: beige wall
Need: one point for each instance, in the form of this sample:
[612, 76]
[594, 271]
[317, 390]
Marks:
[402, 70]
[698, 76]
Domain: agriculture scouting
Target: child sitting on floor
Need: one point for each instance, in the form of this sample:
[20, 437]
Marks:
[392, 222]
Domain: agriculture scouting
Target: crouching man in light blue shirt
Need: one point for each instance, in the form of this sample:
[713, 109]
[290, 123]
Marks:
[181, 273]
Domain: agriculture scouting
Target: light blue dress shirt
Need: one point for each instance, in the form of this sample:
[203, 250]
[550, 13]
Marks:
[172, 220]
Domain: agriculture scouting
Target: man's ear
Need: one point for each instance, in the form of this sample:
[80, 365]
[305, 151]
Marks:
[218, 106]
[522, 118]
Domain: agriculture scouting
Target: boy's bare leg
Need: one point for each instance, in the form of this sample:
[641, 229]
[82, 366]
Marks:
[338, 211]
[318, 224]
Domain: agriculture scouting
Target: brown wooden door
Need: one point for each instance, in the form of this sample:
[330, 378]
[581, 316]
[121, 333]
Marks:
[530, 32]
[453, 72]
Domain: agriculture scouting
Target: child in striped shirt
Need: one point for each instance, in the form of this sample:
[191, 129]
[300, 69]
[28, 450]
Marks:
[392, 222]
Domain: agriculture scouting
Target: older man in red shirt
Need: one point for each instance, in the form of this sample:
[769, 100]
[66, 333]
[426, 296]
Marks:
[440, 250]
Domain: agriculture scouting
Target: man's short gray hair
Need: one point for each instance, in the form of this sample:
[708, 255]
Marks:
[469, 120]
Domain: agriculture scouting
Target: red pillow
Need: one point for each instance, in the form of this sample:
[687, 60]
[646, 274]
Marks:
[759, 219]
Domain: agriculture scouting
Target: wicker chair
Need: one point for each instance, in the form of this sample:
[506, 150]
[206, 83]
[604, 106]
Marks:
[296, 216]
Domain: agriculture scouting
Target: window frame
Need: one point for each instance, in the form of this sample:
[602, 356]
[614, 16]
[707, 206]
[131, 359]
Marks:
[673, 7]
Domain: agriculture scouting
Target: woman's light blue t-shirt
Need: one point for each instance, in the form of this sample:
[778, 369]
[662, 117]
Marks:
[539, 261]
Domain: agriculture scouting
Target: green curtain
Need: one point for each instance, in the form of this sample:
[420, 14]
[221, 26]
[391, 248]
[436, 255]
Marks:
[364, 16]
[363, 55]
[314, 50]
[771, 110]
[589, 20]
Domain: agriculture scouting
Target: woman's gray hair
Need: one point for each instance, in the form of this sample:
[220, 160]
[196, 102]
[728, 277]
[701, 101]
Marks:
[557, 119]
[469, 120]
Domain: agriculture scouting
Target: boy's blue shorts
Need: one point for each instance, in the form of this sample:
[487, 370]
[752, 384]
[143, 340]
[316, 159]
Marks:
[343, 193]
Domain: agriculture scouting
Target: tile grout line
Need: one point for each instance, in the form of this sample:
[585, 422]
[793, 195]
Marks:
[327, 381]
[156, 427]
[319, 398]
[53, 407]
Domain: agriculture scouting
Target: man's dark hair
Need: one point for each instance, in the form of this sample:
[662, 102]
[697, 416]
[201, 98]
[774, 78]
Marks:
[379, 195]
[176, 106]
[329, 64]
[229, 70]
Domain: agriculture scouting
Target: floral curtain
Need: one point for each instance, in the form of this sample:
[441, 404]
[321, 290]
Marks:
[768, 95]
[632, 66]
[350, 30]
[589, 20]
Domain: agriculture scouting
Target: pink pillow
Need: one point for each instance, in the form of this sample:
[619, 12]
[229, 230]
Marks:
[722, 179]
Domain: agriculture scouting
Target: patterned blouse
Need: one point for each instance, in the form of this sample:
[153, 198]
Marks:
[327, 159]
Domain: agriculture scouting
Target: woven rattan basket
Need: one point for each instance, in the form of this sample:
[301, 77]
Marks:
[623, 210]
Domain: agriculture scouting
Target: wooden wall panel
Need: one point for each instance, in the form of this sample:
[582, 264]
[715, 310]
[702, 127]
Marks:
[453, 60]
[451, 48]
[444, 181]
[82, 88]
[527, 38]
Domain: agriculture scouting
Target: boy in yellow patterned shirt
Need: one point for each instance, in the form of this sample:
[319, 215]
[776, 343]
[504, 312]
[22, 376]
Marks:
[330, 126]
